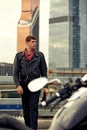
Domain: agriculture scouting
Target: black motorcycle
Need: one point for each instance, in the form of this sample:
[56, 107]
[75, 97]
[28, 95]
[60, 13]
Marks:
[73, 114]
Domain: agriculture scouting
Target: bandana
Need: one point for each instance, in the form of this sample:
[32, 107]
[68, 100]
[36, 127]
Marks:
[29, 56]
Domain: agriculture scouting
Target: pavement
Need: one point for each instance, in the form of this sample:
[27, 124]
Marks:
[43, 123]
[44, 120]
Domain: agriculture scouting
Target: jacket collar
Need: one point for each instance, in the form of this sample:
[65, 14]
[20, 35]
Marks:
[36, 53]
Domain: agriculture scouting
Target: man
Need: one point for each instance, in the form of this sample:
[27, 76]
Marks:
[29, 65]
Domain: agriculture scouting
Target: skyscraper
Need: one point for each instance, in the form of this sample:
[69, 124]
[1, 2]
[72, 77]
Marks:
[67, 34]
[83, 33]
[59, 34]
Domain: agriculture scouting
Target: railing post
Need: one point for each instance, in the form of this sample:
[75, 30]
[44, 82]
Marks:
[0, 93]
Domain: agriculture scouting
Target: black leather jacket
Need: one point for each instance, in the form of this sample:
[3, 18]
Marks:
[25, 70]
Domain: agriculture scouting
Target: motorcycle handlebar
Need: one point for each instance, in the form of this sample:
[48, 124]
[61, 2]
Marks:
[64, 93]
[45, 103]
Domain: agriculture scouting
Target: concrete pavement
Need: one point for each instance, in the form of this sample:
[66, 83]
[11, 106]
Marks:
[43, 123]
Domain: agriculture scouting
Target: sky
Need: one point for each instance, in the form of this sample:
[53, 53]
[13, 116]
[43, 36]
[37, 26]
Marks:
[10, 12]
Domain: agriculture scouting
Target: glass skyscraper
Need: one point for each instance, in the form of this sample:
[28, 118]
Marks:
[83, 33]
[67, 34]
[59, 34]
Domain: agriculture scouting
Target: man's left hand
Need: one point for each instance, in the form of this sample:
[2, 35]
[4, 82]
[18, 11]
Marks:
[46, 91]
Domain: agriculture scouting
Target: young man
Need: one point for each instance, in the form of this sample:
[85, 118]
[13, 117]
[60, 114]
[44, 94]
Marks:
[29, 65]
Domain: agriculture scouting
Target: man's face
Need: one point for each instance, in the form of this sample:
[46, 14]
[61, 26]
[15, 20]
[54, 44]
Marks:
[32, 44]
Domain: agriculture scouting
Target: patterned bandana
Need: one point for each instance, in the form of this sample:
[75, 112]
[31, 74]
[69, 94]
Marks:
[29, 56]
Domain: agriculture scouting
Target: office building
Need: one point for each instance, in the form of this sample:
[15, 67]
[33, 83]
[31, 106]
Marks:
[67, 34]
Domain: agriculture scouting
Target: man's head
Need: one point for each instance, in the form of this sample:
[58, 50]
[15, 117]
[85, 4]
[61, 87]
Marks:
[29, 38]
[31, 42]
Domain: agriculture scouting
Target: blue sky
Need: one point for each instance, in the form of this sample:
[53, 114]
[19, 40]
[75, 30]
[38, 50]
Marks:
[10, 12]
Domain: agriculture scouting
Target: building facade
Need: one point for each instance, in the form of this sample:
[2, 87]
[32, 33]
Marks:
[59, 34]
[83, 33]
[67, 34]
[27, 22]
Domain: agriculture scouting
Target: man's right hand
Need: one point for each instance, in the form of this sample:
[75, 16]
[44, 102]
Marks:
[20, 90]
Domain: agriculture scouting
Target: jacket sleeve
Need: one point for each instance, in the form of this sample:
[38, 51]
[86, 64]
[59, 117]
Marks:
[16, 71]
[43, 65]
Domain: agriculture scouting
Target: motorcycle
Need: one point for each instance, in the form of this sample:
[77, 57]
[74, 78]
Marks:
[73, 114]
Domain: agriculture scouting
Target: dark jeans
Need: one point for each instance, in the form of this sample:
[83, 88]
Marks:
[30, 102]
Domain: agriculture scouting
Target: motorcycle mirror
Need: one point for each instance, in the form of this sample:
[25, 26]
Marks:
[39, 83]
[84, 78]
[55, 81]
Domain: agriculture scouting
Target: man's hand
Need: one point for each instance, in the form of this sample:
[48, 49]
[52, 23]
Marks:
[20, 90]
[46, 91]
